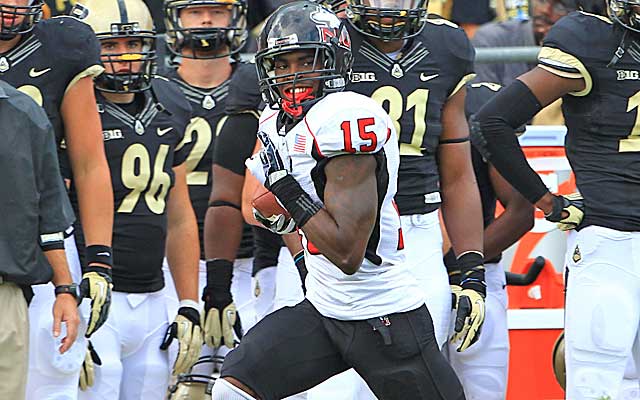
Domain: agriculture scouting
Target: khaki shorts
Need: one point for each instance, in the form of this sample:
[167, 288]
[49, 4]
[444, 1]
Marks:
[14, 342]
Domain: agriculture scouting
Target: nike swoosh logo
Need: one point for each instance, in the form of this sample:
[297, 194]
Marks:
[34, 74]
[163, 131]
[103, 254]
[425, 78]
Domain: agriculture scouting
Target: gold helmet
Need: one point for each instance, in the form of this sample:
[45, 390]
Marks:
[115, 19]
[193, 386]
[559, 368]
[205, 41]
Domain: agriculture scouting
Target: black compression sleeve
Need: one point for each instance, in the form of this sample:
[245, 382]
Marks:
[493, 134]
[236, 142]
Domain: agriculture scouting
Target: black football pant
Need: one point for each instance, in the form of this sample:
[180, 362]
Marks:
[296, 348]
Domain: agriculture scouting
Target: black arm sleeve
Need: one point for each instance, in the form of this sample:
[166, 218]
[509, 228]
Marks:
[236, 142]
[493, 134]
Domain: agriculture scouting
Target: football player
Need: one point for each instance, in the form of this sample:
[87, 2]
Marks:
[204, 37]
[593, 63]
[235, 142]
[416, 68]
[483, 369]
[331, 159]
[144, 119]
[54, 62]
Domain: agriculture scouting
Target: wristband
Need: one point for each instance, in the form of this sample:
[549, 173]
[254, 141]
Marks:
[97, 253]
[219, 274]
[295, 200]
[67, 289]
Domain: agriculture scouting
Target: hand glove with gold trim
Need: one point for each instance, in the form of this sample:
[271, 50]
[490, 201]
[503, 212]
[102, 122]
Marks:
[573, 205]
[88, 373]
[221, 316]
[469, 300]
[96, 284]
[186, 329]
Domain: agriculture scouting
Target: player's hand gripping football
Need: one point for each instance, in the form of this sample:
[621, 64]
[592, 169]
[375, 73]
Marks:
[469, 301]
[88, 373]
[186, 329]
[272, 161]
[221, 316]
[96, 284]
[568, 211]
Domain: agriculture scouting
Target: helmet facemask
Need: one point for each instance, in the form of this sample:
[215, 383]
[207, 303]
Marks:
[132, 71]
[27, 16]
[206, 42]
[624, 14]
[295, 91]
[388, 20]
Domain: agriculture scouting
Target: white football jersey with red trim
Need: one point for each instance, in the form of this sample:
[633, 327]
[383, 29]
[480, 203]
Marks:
[341, 124]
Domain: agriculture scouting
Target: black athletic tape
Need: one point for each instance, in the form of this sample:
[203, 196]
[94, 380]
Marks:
[453, 268]
[472, 266]
[217, 293]
[493, 134]
[223, 203]
[456, 140]
[295, 200]
[98, 253]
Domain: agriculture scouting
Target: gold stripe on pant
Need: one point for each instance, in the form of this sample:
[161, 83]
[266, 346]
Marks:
[14, 342]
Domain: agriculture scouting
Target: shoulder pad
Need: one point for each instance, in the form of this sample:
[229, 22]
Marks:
[348, 123]
[169, 95]
[449, 38]
[578, 33]
[69, 39]
[244, 94]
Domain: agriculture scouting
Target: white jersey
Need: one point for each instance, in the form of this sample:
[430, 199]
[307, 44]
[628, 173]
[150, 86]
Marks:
[350, 123]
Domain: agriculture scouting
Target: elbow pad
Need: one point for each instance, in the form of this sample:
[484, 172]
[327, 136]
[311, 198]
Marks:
[493, 133]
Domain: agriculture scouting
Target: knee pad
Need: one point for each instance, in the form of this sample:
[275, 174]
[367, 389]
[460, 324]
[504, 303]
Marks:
[223, 390]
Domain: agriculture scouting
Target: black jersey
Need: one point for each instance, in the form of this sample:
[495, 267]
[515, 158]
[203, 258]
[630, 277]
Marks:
[48, 60]
[235, 145]
[209, 107]
[142, 147]
[477, 95]
[603, 120]
[413, 88]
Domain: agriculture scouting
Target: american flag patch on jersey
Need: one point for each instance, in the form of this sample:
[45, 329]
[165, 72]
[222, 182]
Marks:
[300, 144]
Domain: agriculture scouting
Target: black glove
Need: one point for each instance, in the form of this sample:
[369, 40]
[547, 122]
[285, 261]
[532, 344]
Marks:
[221, 315]
[573, 205]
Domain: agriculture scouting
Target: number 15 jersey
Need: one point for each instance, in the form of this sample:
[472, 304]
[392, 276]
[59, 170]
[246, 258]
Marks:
[342, 124]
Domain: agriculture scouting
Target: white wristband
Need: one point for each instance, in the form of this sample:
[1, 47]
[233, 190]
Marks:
[190, 303]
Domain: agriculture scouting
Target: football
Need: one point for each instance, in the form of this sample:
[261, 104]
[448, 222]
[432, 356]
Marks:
[266, 202]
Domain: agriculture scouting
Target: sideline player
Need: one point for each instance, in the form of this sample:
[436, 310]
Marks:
[54, 62]
[204, 37]
[334, 168]
[592, 62]
[144, 120]
[483, 368]
[416, 68]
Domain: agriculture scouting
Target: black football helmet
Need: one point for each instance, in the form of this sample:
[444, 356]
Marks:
[297, 27]
[598, 7]
[10, 16]
[114, 19]
[205, 40]
[388, 20]
[622, 12]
